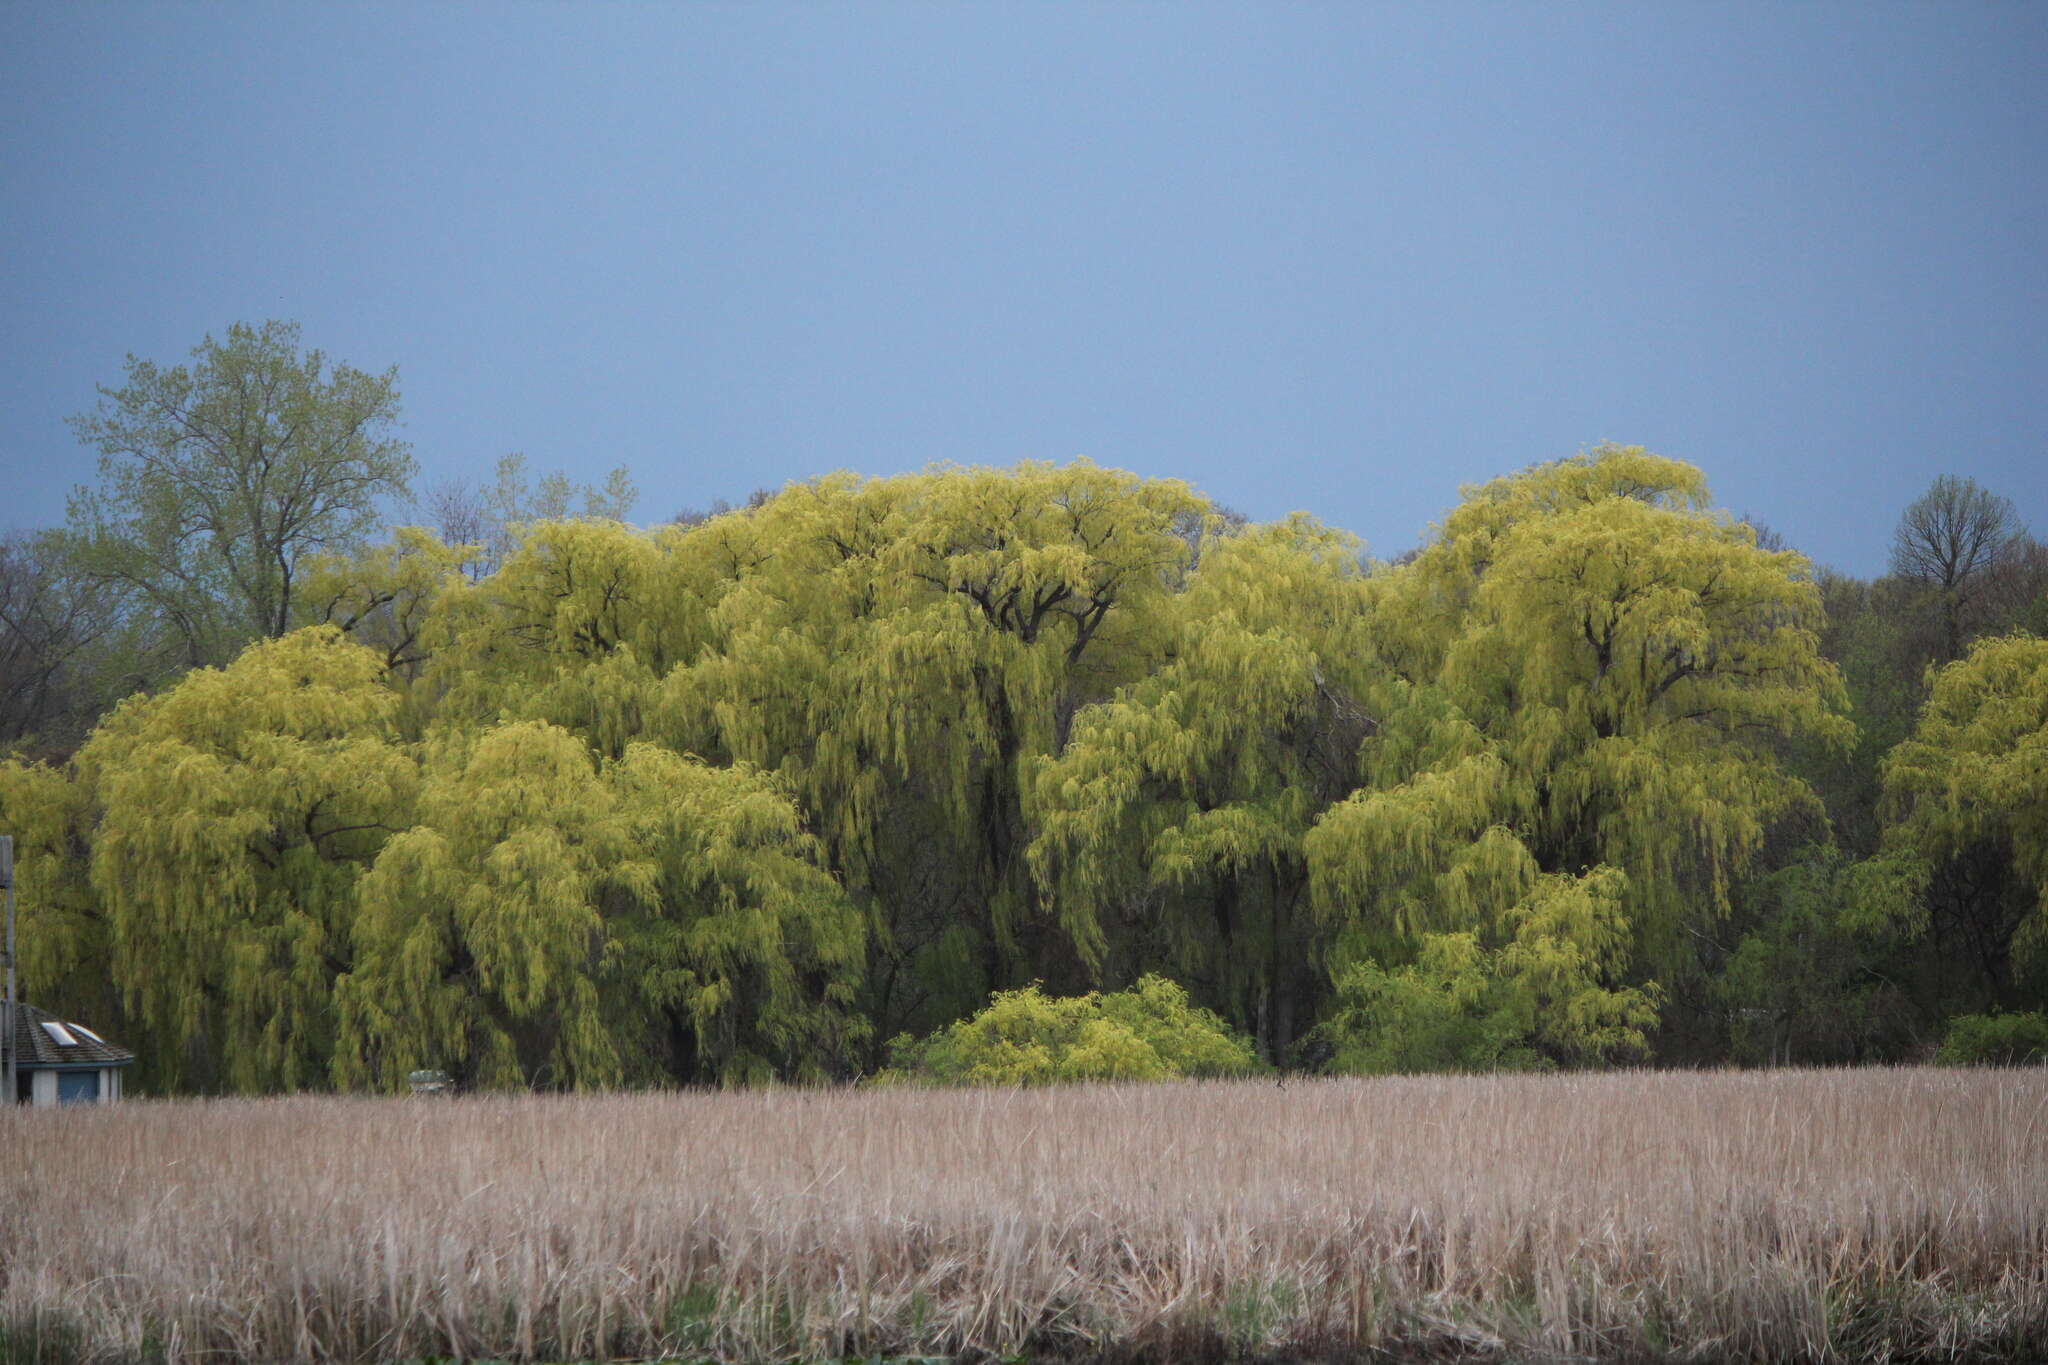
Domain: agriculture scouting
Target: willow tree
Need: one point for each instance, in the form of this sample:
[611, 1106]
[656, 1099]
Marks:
[64, 941]
[1593, 670]
[235, 812]
[1968, 793]
[1172, 824]
[904, 650]
[557, 919]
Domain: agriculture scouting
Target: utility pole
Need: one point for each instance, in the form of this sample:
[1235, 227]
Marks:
[7, 1038]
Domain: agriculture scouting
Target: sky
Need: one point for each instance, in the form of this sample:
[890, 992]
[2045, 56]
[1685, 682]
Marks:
[1339, 258]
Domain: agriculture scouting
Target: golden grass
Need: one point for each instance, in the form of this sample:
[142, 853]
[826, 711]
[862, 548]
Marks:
[1637, 1215]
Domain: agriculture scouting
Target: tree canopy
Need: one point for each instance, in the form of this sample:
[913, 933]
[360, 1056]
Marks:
[1015, 761]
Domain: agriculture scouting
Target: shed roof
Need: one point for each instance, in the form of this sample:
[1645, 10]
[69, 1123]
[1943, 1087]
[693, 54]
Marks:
[44, 1047]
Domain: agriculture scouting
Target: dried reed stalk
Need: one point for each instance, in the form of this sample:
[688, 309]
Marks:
[1637, 1215]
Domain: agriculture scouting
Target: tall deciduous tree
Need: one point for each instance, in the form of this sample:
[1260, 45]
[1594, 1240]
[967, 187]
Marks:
[219, 478]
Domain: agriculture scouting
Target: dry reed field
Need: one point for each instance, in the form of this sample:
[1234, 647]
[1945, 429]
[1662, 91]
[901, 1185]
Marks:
[1876, 1214]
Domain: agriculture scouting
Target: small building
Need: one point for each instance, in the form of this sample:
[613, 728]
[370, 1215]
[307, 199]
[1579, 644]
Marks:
[64, 1063]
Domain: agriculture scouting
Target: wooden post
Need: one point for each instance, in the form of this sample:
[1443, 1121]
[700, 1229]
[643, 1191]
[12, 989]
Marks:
[7, 1038]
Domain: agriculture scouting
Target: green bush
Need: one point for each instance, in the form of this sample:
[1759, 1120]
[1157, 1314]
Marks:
[1151, 1032]
[1995, 1040]
[1443, 1013]
[1544, 998]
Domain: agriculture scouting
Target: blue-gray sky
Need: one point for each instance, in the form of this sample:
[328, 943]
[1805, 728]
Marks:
[1333, 257]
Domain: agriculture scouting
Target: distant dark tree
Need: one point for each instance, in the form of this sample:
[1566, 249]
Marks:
[697, 516]
[1197, 526]
[1809, 979]
[463, 512]
[2016, 589]
[1950, 541]
[1880, 636]
[460, 514]
[1768, 537]
[50, 622]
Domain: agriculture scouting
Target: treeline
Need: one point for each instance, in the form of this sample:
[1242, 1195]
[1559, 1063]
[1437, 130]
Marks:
[1598, 773]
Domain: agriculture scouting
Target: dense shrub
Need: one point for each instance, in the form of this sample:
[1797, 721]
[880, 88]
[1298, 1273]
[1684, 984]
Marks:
[1150, 1032]
[1443, 1014]
[1995, 1040]
[1545, 997]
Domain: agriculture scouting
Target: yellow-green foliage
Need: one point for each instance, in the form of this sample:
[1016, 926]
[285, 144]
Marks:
[1995, 1040]
[1025, 1037]
[63, 938]
[234, 813]
[385, 595]
[549, 889]
[903, 651]
[1539, 999]
[1195, 786]
[718, 802]
[1589, 671]
[1975, 770]
[552, 912]
[574, 629]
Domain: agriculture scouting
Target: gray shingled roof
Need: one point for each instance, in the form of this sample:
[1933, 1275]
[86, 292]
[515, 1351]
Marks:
[40, 1048]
